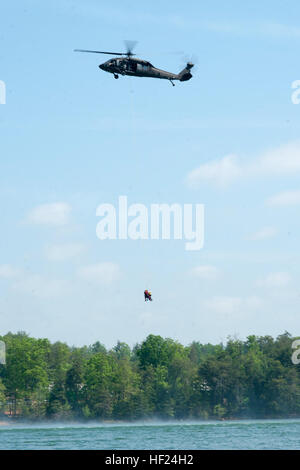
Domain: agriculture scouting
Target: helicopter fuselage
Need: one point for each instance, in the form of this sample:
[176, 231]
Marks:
[142, 68]
[126, 64]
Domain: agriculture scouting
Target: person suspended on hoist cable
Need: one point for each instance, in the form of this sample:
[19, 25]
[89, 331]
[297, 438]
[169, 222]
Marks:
[147, 295]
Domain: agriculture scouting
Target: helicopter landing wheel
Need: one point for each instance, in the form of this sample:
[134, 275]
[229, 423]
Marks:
[116, 76]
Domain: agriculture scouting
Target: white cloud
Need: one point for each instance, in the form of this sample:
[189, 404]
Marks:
[285, 198]
[54, 214]
[8, 272]
[280, 30]
[249, 28]
[226, 305]
[64, 251]
[263, 234]
[206, 272]
[226, 170]
[223, 305]
[101, 273]
[41, 287]
[278, 279]
[284, 159]
[220, 172]
[246, 28]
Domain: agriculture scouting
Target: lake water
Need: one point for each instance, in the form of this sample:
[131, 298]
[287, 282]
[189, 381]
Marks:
[251, 434]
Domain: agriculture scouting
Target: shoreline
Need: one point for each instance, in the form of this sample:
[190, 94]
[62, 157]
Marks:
[149, 422]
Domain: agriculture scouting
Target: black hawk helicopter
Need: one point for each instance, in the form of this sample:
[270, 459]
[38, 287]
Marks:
[129, 65]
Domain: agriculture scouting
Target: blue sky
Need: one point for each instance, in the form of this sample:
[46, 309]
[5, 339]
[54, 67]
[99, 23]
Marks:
[72, 137]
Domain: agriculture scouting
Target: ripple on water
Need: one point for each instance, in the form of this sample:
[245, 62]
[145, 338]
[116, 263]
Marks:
[248, 434]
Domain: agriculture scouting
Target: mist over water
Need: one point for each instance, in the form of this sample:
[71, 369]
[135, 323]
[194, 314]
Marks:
[246, 434]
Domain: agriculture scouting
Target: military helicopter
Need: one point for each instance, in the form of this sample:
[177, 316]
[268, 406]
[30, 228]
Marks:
[129, 65]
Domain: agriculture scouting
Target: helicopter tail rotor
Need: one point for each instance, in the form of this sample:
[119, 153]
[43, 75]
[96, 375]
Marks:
[185, 74]
[190, 61]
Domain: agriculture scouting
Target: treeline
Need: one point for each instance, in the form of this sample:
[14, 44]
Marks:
[158, 378]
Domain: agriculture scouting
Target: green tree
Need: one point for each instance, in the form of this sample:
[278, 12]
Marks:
[126, 386]
[75, 382]
[98, 390]
[2, 396]
[25, 375]
[58, 406]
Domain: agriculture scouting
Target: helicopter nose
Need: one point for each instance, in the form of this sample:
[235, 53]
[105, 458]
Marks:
[101, 66]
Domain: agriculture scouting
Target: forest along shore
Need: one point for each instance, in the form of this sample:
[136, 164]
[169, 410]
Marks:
[156, 379]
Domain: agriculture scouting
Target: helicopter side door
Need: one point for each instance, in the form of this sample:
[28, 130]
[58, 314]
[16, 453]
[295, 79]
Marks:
[131, 66]
[143, 68]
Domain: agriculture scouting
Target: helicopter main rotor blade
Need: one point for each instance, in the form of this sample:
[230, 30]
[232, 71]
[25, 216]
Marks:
[101, 52]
